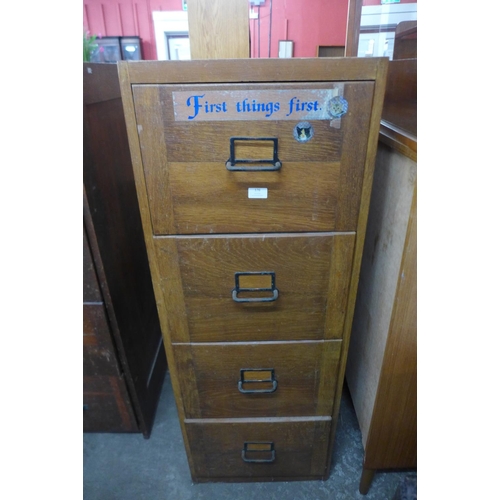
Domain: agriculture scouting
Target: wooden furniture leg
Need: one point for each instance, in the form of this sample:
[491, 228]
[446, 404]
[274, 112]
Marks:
[366, 480]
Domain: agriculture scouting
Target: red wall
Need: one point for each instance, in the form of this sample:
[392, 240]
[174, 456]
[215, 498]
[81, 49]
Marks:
[378, 2]
[126, 18]
[307, 23]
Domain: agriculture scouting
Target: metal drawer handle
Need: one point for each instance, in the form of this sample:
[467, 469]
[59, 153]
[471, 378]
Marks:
[247, 377]
[257, 448]
[272, 164]
[239, 289]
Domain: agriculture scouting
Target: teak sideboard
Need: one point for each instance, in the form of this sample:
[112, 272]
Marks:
[254, 181]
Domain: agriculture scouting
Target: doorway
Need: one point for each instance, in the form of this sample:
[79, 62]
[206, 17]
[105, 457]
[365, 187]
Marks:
[172, 35]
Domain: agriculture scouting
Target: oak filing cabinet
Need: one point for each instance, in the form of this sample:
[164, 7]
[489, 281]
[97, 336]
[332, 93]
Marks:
[254, 179]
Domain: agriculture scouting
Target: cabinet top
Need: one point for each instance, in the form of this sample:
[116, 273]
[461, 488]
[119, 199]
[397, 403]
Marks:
[254, 70]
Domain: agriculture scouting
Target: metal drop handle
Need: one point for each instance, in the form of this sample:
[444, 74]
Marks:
[258, 447]
[243, 165]
[238, 289]
[249, 381]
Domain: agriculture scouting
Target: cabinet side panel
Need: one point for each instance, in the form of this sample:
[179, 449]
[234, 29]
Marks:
[389, 211]
[354, 154]
[138, 171]
[392, 440]
[366, 188]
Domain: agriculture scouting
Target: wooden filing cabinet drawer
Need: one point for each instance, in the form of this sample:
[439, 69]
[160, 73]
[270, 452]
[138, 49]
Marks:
[317, 187]
[289, 447]
[222, 380]
[198, 276]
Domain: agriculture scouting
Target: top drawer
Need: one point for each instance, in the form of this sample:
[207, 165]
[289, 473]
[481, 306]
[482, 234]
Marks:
[193, 139]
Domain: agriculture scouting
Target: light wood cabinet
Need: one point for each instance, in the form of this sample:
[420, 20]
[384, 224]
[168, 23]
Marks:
[219, 29]
[254, 180]
[382, 364]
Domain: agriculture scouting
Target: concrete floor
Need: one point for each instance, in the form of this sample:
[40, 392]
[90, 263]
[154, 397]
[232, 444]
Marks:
[129, 467]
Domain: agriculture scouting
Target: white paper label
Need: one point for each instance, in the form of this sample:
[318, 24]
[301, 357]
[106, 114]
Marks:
[257, 192]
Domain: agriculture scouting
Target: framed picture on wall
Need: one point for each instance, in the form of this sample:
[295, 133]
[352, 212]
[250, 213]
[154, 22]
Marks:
[285, 48]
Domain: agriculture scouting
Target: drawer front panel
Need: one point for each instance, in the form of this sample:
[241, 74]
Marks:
[190, 190]
[289, 448]
[198, 276]
[207, 198]
[270, 379]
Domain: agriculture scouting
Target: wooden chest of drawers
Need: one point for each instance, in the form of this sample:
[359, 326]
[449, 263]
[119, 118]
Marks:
[254, 179]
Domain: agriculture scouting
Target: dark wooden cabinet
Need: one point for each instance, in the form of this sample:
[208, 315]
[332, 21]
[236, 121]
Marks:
[254, 180]
[124, 362]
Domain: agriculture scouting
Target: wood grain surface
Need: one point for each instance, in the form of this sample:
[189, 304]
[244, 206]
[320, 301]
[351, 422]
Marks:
[201, 229]
[305, 375]
[99, 356]
[190, 190]
[392, 439]
[197, 275]
[116, 246]
[382, 362]
[91, 290]
[107, 405]
[255, 70]
[300, 447]
[366, 191]
[218, 29]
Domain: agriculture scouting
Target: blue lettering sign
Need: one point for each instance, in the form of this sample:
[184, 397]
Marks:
[297, 105]
[196, 104]
[247, 106]
[206, 106]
